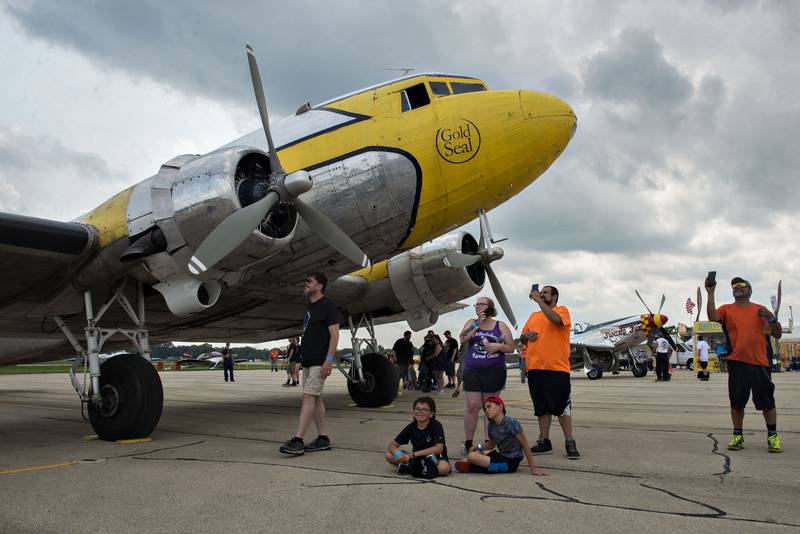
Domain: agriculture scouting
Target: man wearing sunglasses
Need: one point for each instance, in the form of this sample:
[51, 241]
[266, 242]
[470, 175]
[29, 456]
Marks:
[746, 326]
[317, 351]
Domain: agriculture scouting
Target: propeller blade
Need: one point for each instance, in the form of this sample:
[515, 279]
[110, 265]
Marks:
[699, 303]
[663, 298]
[501, 295]
[669, 338]
[778, 304]
[258, 89]
[230, 233]
[642, 301]
[458, 259]
[484, 241]
[334, 236]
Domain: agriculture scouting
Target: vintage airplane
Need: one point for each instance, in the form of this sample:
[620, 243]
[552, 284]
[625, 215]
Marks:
[215, 247]
[211, 360]
[613, 344]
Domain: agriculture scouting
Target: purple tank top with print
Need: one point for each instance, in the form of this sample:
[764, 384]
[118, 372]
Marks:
[477, 357]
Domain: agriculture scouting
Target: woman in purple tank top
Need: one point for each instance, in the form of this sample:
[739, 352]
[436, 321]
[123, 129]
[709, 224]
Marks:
[484, 364]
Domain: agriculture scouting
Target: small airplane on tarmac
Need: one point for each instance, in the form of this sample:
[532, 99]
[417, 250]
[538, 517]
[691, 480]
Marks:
[608, 346]
[212, 360]
[215, 247]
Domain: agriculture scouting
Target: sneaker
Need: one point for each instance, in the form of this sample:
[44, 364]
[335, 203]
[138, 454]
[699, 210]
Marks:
[287, 384]
[294, 447]
[543, 446]
[774, 443]
[737, 443]
[402, 469]
[572, 449]
[463, 466]
[319, 444]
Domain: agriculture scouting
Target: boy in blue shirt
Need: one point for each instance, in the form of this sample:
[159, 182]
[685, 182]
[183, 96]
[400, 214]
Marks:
[505, 434]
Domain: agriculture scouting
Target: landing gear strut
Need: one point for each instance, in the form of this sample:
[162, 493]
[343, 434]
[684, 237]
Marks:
[124, 394]
[372, 379]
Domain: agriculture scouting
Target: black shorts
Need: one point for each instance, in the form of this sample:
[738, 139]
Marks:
[451, 369]
[550, 392]
[703, 365]
[745, 377]
[502, 464]
[491, 380]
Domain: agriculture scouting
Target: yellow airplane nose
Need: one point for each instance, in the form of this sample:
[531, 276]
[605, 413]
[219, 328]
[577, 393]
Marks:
[551, 123]
[539, 105]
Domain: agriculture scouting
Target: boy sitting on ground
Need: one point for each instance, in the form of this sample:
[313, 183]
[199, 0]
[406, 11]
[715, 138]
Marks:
[505, 433]
[428, 458]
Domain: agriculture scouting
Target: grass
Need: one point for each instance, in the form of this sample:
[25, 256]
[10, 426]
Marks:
[29, 369]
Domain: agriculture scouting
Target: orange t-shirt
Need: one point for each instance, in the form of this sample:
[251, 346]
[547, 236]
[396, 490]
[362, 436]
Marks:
[550, 352]
[745, 332]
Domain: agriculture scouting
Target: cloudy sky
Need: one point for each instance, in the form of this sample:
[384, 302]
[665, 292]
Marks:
[685, 158]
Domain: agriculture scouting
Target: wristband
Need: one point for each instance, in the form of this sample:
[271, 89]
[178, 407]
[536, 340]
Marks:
[328, 358]
[475, 324]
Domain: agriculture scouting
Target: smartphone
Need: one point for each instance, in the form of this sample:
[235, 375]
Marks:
[712, 277]
[534, 287]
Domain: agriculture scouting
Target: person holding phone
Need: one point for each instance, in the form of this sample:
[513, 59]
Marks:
[746, 326]
[484, 364]
[545, 339]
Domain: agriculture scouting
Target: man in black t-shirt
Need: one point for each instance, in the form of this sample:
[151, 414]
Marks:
[227, 362]
[451, 350]
[403, 355]
[317, 350]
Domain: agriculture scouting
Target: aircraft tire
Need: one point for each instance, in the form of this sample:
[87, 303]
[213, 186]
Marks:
[595, 373]
[639, 371]
[381, 379]
[132, 399]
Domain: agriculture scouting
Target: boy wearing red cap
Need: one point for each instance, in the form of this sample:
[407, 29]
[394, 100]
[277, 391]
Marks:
[506, 435]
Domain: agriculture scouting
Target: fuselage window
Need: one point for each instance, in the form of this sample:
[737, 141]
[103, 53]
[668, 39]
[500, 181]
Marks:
[439, 88]
[460, 87]
[414, 97]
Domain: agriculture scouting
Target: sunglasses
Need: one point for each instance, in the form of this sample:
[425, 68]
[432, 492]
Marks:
[740, 285]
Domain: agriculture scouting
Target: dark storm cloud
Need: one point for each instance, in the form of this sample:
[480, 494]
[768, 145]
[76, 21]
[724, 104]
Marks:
[307, 51]
[634, 70]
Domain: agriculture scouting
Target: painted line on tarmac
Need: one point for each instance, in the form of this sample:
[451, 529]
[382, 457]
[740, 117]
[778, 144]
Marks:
[36, 468]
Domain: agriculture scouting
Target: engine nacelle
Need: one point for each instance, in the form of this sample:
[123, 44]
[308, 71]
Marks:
[190, 196]
[185, 296]
[415, 283]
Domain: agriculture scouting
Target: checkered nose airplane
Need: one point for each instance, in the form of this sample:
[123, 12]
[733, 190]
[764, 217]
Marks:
[214, 247]
[610, 345]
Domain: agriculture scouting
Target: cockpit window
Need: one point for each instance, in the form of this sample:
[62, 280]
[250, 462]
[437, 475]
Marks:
[414, 97]
[461, 87]
[439, 88]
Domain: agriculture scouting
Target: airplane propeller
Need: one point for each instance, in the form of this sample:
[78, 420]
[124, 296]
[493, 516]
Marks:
[655, 320]
[235, 229]
[487, 253]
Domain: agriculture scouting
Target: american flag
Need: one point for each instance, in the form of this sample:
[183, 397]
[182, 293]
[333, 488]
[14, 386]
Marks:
[689, 306]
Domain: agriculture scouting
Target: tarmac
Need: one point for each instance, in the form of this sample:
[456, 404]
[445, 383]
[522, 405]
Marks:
[653, 457]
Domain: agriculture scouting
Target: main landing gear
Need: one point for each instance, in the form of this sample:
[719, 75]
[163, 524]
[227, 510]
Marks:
[372, 379]
[124, 393]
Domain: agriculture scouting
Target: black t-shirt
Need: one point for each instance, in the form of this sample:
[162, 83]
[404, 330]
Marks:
[403, 351]
[422, 439]
[452, 348]
[316, 337]
[293, 353]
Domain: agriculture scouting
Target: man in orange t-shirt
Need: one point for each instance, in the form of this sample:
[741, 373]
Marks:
[545, 339]
[747, 326]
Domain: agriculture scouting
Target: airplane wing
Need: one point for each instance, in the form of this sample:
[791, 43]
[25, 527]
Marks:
[38, 257]
[194, 361]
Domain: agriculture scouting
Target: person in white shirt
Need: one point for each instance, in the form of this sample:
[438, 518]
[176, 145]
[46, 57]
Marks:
[702, 354]
[663, 351]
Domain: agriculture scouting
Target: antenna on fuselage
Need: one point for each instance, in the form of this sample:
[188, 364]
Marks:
[405, 71]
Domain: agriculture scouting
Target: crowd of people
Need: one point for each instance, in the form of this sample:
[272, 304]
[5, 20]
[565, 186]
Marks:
[545, 349]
